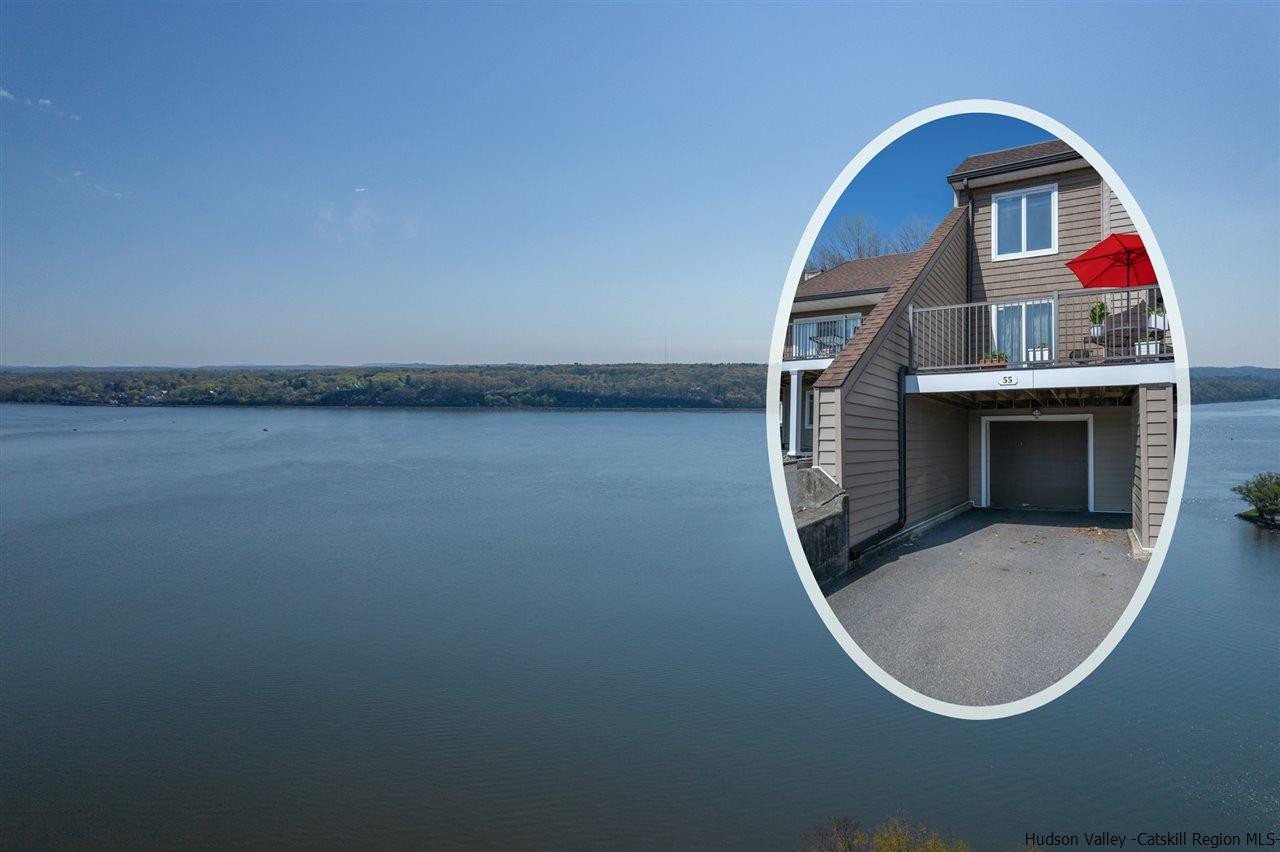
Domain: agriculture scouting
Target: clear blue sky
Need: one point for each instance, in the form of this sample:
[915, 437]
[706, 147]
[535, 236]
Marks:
[908, 180]
[263, 183]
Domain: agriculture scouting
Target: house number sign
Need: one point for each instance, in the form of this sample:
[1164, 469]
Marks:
[1008, 380]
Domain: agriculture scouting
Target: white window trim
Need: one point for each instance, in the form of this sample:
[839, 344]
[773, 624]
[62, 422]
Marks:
[986, 448]
[808, 409]
[997, 197]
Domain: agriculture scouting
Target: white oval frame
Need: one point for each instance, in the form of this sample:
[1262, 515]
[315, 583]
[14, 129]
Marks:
[773, 436]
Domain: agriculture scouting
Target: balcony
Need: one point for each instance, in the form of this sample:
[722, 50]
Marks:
[1074, 328]
[818, 337]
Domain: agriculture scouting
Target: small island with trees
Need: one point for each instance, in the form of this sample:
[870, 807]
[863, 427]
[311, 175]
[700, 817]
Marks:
[1262, 492]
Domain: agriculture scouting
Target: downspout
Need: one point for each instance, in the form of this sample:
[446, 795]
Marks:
[870, 541]
[970, 355]
[968, 246]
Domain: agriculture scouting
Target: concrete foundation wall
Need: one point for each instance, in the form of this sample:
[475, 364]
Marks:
[821, 513]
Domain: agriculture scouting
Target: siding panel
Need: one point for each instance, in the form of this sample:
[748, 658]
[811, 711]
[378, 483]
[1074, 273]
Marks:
[937, 457]
[1080, 205]
[1116, 218]
[869, 415]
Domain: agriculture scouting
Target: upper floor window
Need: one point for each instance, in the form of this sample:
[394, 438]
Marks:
[1024, 222]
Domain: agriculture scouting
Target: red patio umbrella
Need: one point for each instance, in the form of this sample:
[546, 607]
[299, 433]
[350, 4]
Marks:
[1118, 261]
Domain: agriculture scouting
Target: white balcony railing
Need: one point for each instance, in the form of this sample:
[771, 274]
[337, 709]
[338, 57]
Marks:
[819, 337]
[1064, 328]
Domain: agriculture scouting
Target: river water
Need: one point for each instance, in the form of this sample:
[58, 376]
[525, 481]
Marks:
[557, 630]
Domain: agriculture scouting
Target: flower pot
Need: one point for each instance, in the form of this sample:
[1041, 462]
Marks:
[1097, 332]
[1158, 322]
[1038, 354]
[993, 365]
[1147, 349]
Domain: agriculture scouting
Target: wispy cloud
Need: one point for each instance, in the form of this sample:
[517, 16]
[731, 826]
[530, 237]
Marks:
[42, 104]
[78, 178]
[360, 221]
[362, 189]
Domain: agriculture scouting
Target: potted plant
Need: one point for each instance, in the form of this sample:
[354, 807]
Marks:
[1097, 320]
[1147, 347]
[994, 361]
[1039, 352]
[1157, 320]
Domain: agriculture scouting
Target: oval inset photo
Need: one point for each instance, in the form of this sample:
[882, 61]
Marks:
[981, 414]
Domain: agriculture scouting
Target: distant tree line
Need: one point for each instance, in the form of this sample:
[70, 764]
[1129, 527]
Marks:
[723, 386]
[859, 236]
[1234, 388]
[726, 386]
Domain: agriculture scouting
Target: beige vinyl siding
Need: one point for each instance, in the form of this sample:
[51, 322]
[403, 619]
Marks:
[1115, 219]
[937, 457]
[1113, 452]
[868, 450]
[1156, 417]
[1079, 228]
[826, 426]
[1112, 459]
[869, 467]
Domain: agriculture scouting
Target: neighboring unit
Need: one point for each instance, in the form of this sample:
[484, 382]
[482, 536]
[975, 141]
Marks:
[828, 308]
[983, 372]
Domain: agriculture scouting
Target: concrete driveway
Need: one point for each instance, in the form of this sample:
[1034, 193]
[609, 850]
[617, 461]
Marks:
[993, 605]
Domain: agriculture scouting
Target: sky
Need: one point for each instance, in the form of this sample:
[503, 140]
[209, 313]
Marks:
[281, 184]
[908, 179]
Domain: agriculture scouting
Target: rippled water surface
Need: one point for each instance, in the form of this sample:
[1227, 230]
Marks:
[569, 630]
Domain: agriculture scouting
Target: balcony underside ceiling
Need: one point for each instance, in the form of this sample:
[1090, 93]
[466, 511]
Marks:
[1028, 398]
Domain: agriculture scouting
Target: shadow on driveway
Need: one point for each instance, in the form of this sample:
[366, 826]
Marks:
[993, 605]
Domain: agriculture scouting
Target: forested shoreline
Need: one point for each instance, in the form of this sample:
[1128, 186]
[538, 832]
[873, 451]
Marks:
[606, 386]
[733, 387]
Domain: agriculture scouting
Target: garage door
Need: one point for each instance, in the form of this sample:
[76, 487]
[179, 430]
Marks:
[1039, 464]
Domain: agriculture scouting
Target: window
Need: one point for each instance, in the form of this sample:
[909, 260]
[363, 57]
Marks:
[1024, 222]
[808, 409]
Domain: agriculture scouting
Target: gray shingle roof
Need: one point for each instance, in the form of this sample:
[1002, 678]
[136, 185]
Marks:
[869, 273]
[1013, 157]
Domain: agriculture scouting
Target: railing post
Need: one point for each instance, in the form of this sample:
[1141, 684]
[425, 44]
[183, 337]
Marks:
[911, 335]
[1057, 329]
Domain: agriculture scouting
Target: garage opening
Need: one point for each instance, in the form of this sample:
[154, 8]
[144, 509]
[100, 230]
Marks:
[1038, 464]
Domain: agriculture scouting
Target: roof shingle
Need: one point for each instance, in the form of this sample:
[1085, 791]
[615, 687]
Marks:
[1010, 157]
[868, 273]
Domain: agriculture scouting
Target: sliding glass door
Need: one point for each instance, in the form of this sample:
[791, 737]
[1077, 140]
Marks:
[1024, 331]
